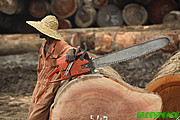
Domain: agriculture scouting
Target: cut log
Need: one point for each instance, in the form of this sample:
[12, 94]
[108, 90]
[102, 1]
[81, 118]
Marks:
[102, 96]
[134, 14]
[39, 8]
[19, 43]
[158, 9]
[122, 3]
[64, 23]
[172, 17]
[109, 15]
[167, 84]
[98, 40]
[79, 3]
[99, 3]
[85, 16]
[63, 8]
[11, 6]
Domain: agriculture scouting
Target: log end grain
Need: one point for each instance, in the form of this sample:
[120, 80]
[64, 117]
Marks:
[99, 3]
[85, 16]
[109, 15]
[172, 17]
[158, 9]
[11, 6]
[39, 9]
[63, 8]
[94, 95]
[64, 23]
[134, 14]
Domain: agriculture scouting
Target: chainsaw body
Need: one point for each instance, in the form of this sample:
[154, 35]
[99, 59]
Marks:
[80, 66]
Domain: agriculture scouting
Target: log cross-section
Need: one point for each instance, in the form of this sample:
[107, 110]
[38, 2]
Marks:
[63, 8]
[39, 8]
[110, 15]
[134, 14]
[85, 16]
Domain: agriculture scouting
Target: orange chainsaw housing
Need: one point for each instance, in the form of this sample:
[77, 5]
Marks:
[75, 70]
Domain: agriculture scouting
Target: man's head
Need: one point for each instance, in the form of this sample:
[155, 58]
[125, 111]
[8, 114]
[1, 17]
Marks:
[47, 26]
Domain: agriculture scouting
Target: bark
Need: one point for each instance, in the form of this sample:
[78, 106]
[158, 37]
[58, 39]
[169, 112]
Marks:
[109, 15]
[172, 17]
[103, 94]
[157, 10]
[63, 8]
[167, 84]
[85, 16]
[98, 40]
[11, 6]
[134, 14]
[39, 8]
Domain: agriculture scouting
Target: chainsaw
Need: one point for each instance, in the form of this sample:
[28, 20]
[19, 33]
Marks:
[84, 64]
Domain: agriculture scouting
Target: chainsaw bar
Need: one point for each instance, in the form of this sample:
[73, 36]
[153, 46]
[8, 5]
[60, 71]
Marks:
[131, 52]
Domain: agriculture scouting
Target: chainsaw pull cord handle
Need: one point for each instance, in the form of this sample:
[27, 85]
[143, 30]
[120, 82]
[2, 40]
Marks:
[82, 56]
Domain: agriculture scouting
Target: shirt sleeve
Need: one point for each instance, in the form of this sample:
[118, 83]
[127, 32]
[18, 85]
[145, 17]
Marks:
[62, 47]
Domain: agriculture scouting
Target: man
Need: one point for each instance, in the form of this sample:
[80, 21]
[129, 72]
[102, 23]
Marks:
[51, 49]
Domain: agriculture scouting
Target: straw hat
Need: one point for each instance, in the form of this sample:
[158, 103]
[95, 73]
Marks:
[48, 26]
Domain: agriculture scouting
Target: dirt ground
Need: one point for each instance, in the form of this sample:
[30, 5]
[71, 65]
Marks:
[18, 78]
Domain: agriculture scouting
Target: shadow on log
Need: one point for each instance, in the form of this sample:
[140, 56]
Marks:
[167, 84]
[104, 95]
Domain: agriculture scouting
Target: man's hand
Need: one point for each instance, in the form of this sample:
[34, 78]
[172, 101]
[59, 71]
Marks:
[70, 57]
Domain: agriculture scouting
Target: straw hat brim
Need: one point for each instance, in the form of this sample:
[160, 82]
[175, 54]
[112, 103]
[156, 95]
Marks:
[45, 30]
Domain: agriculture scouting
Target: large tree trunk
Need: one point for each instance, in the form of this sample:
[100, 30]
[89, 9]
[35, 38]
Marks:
[167, 84]
[11, 6]
[63, 8]
[102, 96]
[110, 15]
[85, 16]
[134, 14]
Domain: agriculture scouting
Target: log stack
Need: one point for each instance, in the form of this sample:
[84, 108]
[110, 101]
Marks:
[87, 13]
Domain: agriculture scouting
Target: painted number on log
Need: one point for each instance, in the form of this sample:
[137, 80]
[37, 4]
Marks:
[98, 117]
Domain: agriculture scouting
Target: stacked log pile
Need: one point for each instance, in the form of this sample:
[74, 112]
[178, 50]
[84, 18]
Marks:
[85, 13]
